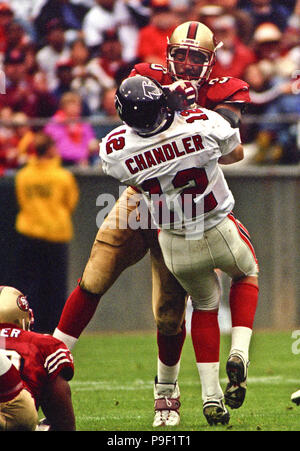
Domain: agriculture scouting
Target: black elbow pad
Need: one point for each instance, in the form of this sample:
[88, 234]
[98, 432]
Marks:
[230, 116]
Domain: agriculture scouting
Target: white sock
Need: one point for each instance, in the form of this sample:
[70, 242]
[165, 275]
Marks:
[5, 364]
[240, 341]
[209, 377]
[167, 374]
[68, 340]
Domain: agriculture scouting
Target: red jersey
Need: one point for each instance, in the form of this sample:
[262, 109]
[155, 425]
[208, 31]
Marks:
[39, 358]
[210, 94]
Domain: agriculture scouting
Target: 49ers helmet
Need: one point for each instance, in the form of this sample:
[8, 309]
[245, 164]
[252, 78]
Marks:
[191, 52]
[141, 103]
[14, 308]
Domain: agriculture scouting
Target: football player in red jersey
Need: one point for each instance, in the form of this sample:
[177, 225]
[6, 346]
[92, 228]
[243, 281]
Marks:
[191, 53]
[44, 364]
[17, 408]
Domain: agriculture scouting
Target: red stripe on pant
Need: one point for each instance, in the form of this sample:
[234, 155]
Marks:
[239, 226]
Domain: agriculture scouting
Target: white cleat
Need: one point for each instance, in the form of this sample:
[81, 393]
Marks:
[296, 397]
[166, 404]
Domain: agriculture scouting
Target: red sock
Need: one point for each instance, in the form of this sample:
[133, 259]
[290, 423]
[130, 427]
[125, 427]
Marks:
[205, 334]
[11, 384]
[78, 311]
[243, 302]
[170, 346]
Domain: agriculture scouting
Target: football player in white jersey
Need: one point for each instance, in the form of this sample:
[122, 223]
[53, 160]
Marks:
[173, 159]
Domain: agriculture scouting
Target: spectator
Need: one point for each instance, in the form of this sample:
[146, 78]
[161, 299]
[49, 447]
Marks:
[8, 142]
[153, 37]
[118, 14]
[71, 15]
[25, 137]
[16, 37]
[47, 195]
[6, 17]
[84, 82]
[24, 93]
[16, 138]
[291, 36]
[263, 11]
[234, 56]
[107, 68]
[271, 92]
[244, 25]
[75, 139]
[55, 50]
[64, 76]
[109, 116]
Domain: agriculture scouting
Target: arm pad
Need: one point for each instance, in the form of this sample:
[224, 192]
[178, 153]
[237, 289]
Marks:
[230, 116]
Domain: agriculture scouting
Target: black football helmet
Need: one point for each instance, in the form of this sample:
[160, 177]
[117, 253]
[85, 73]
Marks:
[141, 103]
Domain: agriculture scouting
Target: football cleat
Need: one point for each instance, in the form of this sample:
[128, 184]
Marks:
[215, 412]
[43, 425]
[236, 369]
[166, 404]
[296, 397]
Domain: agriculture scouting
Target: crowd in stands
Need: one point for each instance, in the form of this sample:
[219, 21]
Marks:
[63, 59]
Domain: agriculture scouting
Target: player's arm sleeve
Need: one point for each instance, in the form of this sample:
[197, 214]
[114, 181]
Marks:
[57, 405]
[59, 362]
[228, 138]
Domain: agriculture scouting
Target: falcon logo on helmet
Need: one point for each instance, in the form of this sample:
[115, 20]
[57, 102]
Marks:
[14, 308]
[151, 90]
[191, 52]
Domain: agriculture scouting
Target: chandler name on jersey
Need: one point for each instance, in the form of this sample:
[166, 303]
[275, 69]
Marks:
[210, 93]
[177, 169]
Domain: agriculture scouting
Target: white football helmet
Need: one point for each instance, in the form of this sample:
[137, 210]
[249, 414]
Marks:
[191, 52]
[14, 308]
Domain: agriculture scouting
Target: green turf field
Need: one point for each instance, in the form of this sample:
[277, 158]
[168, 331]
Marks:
[113, 385]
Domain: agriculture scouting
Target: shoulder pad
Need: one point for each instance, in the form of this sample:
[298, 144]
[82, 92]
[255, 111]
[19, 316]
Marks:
[155, 71]
[228, 89]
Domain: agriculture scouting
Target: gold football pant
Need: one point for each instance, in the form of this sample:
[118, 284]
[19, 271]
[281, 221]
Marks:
[118, 246]
[19, 414]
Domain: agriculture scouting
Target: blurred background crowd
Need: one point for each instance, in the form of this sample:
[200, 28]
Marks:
[62, 61]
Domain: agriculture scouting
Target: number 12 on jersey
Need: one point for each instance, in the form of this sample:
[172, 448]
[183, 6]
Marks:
[191, 183]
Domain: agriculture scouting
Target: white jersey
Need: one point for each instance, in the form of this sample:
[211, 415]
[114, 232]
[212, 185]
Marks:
[177, 169]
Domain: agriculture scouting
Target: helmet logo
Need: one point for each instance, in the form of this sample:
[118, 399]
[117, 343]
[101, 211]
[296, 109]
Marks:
[22, 303]
[151, 90]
